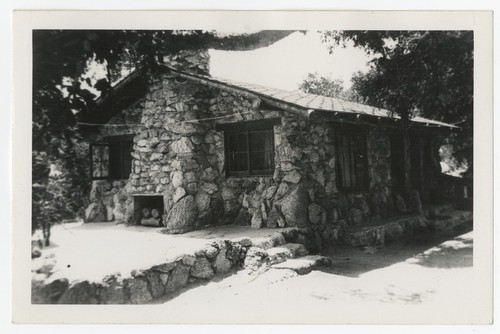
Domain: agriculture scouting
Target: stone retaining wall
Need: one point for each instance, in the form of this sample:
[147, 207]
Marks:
[143, 286]
[160, 281]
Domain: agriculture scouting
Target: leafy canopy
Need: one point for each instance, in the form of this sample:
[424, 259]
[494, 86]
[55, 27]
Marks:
[314, 83]
[427, 73]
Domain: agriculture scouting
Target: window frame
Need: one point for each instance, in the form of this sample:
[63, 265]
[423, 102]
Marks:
[247, 128]
[349, 131]
[111, 143]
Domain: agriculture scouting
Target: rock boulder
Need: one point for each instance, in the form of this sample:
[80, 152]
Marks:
[294, 207]
[182, 217]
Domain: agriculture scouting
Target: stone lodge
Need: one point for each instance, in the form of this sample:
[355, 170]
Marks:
[180, 149]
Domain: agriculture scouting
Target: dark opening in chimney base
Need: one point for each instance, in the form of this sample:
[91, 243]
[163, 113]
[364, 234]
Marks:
[148, 210]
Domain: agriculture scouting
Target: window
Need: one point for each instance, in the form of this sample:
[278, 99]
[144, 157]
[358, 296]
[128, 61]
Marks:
[111, 159]
[352, 160]
[249, 147]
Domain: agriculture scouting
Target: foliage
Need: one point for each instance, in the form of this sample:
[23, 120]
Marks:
[314, 83]
[427, 73]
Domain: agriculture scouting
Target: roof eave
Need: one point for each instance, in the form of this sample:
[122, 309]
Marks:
[374, 119]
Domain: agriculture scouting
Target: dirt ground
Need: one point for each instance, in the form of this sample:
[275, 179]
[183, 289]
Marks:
[426, 279]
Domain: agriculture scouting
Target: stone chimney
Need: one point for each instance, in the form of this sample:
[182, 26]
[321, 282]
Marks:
[191, 61]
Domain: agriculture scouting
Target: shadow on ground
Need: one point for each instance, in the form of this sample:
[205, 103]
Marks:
[447, 249]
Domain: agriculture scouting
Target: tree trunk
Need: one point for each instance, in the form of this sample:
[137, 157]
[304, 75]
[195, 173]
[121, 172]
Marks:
[46, 233]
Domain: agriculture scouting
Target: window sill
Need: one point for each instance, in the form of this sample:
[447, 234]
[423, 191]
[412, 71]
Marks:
[353, 192]
[249, 176]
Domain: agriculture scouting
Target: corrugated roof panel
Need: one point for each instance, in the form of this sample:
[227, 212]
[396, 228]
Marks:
[316, 102]
[302, 99]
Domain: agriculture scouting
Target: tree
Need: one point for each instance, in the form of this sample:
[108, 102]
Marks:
[320, 85]
[314, 83]
[60, 98]
[428, 73]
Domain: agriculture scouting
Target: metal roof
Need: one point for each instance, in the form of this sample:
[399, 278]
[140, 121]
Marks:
[294, 99]
[314, 102]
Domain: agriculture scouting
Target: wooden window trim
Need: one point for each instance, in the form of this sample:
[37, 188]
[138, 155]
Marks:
[261, 124]
[247, 128]
[111, 143]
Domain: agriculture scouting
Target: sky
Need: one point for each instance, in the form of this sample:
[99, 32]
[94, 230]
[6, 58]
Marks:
[286, 63]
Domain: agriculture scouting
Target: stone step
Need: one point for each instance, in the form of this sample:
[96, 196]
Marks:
[393, 230]
[450, 219]
[437, 210]
[405, 227]
[297, 250]
[257, 257]
[278, 255]
[303, 265]
[284, 252]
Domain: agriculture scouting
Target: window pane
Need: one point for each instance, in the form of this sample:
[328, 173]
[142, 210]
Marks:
[238, 162]
[237, 159]
[242, 161]
[258, 160]
[126, 159]
[343, 172]
[100, 169]
[237, 142]
[261, 150]
[120, 159]
[352, 166]
[100, 152]
[360, 161]
[96, 169]
[115, 160]
[260, 140]
[96, 153]
[100, 160]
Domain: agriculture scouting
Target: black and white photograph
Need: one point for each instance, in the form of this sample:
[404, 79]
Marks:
[240, 174]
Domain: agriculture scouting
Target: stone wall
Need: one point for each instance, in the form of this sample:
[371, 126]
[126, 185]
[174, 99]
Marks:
[379, 164]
